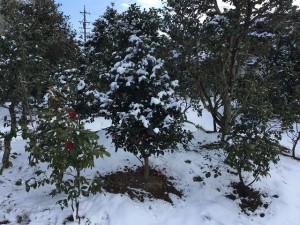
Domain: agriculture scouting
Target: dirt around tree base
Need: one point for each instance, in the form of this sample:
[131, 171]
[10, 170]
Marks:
[250, 199]
[132, 182]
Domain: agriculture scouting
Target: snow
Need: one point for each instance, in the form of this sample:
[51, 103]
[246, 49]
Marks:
[175, 83]
[156, 130]
[114, 85]
[167, 121]
[263, 34]
[141, 78]
[217, 19]
[134, 38]
[123, 67]
[203, 202]
[155, 101]
[144, 121]
[81, 85]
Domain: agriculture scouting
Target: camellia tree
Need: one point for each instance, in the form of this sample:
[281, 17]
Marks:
[141, 101]
[36, 41]
[218, 40]
[61, 141]
[253, 142]
[284, 75]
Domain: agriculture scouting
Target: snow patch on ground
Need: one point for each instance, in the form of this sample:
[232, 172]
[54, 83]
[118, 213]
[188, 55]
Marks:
[203, 202]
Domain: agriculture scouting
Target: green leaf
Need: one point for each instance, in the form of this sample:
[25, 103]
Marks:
[27, 188]
[39, 172]
[208, 174]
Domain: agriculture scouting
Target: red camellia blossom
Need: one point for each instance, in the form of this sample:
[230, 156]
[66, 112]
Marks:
[72, 114]
[123, 94]
[69, 145]
[157, 173]
[130, 139]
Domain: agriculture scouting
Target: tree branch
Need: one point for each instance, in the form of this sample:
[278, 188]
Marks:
[217, 8]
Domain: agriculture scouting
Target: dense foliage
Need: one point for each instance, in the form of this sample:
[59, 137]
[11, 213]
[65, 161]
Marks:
[61, 141]
[142, 70]
[141, 101]
[30, 52]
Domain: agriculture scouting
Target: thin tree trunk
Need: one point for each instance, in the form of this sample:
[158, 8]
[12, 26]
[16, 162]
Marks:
[146, 168]
[226, 120]
[6, 154]
[230, 78]
[295, 142]
[215, 125]
[241, 177]
[9, 136]
[79, 193]
[215, 112]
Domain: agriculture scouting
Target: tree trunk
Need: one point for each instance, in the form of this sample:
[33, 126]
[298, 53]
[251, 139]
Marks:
[215, 125]
[6, 154]
[295, 142]
[226, 119]
[146, 168]
[9, 136]
[241, 177]
[39, 95]
[229, 82]
[215, 112]
[79, 193]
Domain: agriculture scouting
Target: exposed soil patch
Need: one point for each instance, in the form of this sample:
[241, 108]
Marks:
[250, 199]
[132, 182]
[212, 146]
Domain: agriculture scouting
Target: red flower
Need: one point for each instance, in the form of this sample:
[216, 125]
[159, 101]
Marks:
[72, 114]
[130, 139]
[69, 145]
[157, 173]
[114, 135]
[123, 94]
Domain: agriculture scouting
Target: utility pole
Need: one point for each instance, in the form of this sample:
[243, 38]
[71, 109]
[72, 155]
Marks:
[84, 23]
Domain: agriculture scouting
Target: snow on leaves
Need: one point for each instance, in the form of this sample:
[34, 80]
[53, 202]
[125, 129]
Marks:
[141, 100]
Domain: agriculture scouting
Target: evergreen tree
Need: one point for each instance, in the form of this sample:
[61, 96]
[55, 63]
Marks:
[31, 50]
[141, 101]
[253, 142]
[284, 76]
[61, 141]
[222, 43]
[229, 61]
[110, 35]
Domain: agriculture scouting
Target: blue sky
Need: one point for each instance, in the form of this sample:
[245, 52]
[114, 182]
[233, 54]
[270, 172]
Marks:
[96, 8]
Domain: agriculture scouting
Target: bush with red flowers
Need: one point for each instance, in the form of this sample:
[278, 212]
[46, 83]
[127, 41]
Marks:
[61, 141]
[141, 99]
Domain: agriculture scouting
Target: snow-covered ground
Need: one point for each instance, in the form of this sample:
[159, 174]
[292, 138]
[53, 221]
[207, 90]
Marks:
[204, 203]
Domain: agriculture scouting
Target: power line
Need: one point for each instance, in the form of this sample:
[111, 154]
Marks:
[84, 23]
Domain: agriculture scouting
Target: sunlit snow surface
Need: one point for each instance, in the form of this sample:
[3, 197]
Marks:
[203, 202]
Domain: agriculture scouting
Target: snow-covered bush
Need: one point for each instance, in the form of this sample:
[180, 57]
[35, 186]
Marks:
[141, 100]
[139, 96]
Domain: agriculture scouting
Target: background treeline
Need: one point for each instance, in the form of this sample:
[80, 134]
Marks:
[143, 69]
